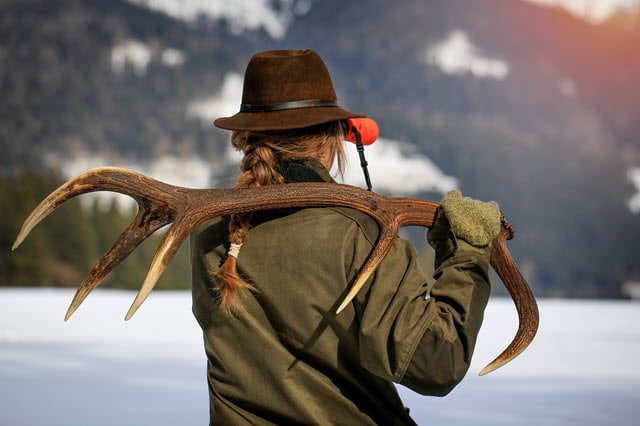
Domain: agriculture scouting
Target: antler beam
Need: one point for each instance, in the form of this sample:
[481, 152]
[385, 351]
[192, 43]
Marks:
[160, 204]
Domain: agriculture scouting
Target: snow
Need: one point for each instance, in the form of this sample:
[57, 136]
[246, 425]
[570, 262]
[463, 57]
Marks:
[138, 55]
[172, 57]
[132, 52]
[242, 15]
[634, 202]
[396, 168]
[188, 171]
[249, 15]
[594, 11]
[457, 55]
[222, 104]
[98, 369]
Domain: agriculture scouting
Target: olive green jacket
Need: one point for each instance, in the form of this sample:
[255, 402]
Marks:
[287, 358]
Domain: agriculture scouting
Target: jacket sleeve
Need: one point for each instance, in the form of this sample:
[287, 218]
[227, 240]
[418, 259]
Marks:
[421, 336]
[456, 306]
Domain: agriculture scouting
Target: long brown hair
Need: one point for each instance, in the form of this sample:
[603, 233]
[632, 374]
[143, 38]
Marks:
[263, 151]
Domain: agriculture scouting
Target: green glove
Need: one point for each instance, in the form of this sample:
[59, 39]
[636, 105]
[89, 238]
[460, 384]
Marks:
[474, 222]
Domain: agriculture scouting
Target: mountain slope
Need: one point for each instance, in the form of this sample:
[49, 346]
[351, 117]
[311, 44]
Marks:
[551, 141]
[538, 114]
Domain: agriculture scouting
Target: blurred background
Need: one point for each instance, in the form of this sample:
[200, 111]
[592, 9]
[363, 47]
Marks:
[532, 103]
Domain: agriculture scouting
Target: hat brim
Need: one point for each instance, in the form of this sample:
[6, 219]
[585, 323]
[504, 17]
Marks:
[297, 118]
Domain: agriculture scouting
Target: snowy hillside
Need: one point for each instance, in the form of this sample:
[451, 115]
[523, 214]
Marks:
[97, 369]
[252, 14]
[243, 15]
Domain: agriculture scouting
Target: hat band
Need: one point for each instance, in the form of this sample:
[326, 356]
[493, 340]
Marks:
[288, 105]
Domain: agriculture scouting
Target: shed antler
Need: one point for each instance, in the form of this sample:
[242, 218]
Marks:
[160, 204]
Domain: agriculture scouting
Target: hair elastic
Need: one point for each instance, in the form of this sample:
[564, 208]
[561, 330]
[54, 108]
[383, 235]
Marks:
[234, 250]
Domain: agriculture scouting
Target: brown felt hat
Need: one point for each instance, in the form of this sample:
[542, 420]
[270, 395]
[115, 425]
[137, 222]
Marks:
[286, 89]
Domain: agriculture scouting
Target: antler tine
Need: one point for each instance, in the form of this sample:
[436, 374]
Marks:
[170, 244]
[521, 295]
[65, 192]
[128, 241]
[99, 179]
[385, 241]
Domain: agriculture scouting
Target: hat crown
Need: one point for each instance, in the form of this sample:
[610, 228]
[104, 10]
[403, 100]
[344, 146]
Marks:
[281, 76]
[286, 89]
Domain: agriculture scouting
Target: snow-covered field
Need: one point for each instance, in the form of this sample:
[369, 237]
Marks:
[97, 369]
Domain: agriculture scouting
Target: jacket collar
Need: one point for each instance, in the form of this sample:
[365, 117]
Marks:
[295, 171]
[308, 170]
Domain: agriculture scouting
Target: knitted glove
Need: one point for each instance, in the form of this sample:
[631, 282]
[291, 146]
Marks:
[470, 221]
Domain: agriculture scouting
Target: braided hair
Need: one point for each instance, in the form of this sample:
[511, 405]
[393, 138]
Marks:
[263, 151]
